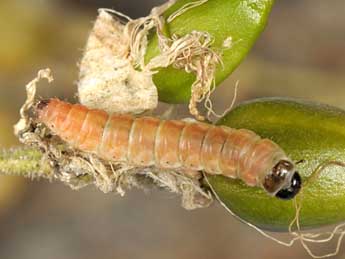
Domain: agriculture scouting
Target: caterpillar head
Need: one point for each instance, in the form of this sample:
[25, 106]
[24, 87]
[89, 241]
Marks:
[283, 181]
[41, 108]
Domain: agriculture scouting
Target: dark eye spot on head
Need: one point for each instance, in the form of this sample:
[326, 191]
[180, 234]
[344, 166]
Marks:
[292, 190]
[42, 104]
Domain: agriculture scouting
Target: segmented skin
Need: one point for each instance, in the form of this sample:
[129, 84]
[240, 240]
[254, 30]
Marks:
[167, 144]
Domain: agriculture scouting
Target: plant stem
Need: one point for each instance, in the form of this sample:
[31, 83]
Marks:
[25, 162]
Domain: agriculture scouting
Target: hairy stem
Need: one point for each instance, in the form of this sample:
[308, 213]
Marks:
[25, 162]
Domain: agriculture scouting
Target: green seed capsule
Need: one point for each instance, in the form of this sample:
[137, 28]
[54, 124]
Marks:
[229, 22]
[306, 131]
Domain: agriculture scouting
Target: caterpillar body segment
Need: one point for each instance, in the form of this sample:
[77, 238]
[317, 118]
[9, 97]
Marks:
[173, 144]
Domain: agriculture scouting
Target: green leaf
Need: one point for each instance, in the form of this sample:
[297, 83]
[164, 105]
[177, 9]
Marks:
[243, 20]
[309, 131]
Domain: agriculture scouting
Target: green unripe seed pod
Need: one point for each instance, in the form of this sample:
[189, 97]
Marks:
[240, 20]
[306, 131]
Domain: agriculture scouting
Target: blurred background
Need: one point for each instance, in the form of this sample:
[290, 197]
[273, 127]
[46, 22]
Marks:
[301, 54]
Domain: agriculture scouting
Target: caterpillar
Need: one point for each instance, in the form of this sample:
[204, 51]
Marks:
[173, 144]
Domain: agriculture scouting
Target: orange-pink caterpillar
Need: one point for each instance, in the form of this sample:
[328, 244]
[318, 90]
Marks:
[173, 144]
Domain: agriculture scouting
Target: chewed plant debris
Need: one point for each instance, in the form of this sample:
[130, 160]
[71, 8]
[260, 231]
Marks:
[114, 76]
